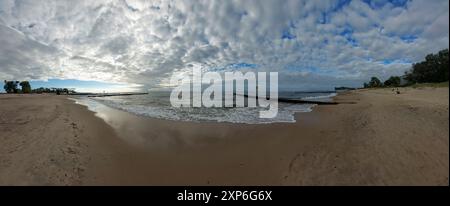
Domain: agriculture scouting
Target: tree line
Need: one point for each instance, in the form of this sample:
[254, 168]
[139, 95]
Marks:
[13, 87]
[434, 69]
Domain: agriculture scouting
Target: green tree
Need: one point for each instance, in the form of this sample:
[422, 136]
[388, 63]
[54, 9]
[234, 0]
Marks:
[393, 81]
[375, 82]
[11, 86]
[26, 87]
[433, 69]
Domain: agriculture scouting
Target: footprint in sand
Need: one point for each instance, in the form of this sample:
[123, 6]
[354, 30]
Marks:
[71, 151]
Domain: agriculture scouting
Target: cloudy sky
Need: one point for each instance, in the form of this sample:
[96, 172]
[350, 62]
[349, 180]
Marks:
[139, 44]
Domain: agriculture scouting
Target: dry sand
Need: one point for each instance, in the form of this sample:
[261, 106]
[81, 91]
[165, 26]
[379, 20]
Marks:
[383, 139]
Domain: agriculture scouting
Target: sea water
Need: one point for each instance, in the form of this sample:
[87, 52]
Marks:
[156, 104]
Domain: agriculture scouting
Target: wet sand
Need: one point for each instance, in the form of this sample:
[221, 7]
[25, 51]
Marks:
[383, 139]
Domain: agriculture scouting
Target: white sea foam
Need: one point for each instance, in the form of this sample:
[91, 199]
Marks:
[320, 96]
[157, 106]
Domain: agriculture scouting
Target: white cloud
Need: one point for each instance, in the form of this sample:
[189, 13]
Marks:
[144, 42]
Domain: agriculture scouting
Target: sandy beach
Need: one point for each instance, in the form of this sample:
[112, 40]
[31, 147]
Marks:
[375, 137]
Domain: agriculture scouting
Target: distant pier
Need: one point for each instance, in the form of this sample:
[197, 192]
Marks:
[117, 94]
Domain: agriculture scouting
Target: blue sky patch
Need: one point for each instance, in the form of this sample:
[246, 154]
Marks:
[341, 4]
[399, 61]
[287, 35]
[380, 4]
[408, 38]
[347, 33]
[234, 67]
[241, 65]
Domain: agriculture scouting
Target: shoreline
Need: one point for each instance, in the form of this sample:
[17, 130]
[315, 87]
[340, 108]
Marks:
[326, 100]
[332, 145]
